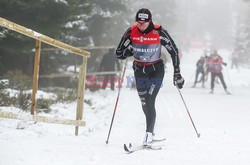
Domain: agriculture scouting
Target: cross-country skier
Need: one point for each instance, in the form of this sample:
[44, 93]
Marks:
[216, 71]
[143, 41]
[200, 70]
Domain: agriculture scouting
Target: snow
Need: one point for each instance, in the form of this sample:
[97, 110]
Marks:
[40, 94]
[223, 121]
[37, 35]
[72, 69]
[62, 1]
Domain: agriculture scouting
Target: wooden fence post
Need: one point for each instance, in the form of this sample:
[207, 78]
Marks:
[35, 76]
[80, 93]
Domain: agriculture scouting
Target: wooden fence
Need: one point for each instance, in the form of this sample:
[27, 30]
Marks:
[39, 38]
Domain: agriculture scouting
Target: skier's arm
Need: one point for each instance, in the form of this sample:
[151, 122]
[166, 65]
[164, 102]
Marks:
[169, 44]
[223, 63]
[122, 52]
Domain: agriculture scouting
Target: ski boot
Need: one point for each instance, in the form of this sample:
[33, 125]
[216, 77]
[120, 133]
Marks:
[148, 139]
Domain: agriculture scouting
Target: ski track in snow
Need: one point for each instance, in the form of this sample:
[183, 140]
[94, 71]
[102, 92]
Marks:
[223, 121]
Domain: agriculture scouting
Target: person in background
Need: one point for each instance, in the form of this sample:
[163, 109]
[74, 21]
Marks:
[208, 63]
[216, 63]
[143, 41]
[235, 57]
[108, 64]
[200, 70]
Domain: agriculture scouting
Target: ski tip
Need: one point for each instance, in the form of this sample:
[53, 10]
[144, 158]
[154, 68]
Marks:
[125, 148]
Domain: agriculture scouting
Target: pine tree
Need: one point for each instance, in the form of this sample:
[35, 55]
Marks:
[52, 18]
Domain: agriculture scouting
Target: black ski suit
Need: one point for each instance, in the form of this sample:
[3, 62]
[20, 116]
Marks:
[148, 65]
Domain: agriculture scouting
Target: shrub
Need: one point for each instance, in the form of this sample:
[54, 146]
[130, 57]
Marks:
[66, 96]
[5, 99]
[4, 83]
[43, 105]
[23, 100]
[18, 80]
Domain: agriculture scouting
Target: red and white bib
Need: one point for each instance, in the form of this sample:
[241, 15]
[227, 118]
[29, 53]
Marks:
[146, 47]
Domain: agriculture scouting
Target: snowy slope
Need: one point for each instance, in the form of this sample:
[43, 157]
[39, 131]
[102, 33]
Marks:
[223, 121]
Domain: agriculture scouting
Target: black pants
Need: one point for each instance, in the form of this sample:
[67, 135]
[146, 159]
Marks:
[220, 75]
[202, 79]
[148, 83]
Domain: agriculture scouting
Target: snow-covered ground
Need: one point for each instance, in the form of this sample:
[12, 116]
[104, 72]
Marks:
[223, 121]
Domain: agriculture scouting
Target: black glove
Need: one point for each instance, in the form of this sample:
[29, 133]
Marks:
[128, 52]
[178, 80]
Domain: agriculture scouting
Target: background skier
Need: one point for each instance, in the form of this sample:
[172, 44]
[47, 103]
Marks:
[216, 71]
[200, 70]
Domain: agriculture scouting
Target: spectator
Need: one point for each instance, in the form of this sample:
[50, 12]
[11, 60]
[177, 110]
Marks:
[109, 63]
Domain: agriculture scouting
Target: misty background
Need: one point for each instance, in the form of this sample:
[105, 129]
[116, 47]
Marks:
[193, 24]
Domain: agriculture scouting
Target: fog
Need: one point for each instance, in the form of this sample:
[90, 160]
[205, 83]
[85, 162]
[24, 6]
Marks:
[200, 23]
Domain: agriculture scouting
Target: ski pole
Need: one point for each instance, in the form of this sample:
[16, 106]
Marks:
[198, 134]
[116, 103]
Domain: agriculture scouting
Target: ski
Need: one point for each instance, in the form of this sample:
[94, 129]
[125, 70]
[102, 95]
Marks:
[158, 140]
[130, 149]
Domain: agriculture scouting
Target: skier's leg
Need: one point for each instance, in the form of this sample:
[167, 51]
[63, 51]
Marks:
[196, 77]
[148, 85]
[212, 81]
[220, 75]
[142, 89]
[154, 85]
[140, 79]
[203, 78]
